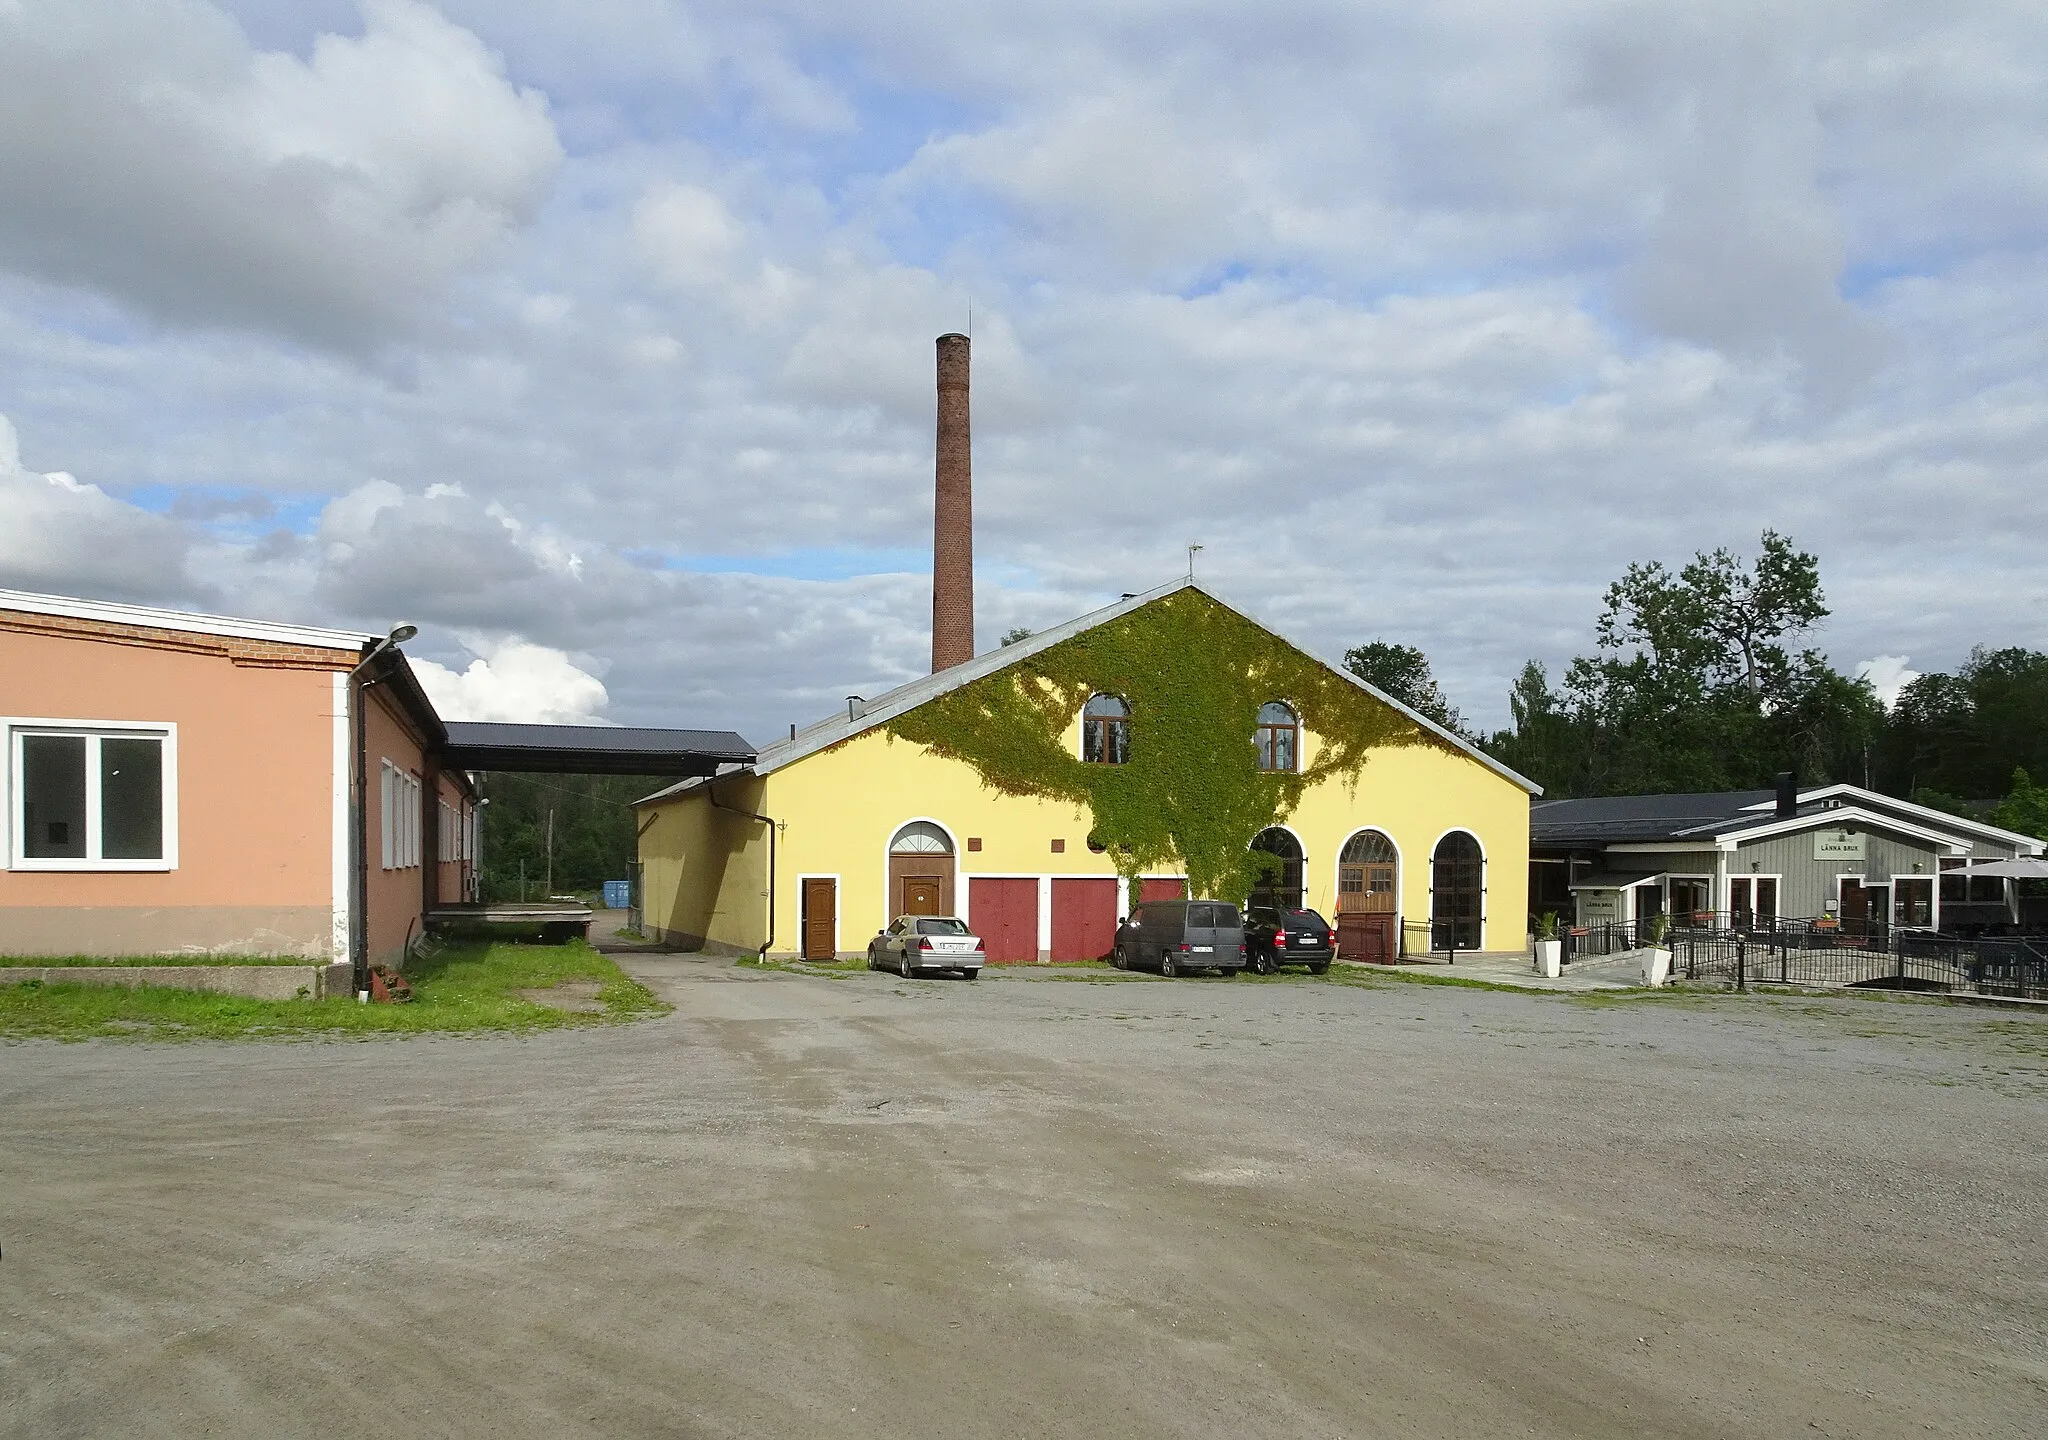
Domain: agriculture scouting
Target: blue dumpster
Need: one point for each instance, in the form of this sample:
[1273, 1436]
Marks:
[618, 894]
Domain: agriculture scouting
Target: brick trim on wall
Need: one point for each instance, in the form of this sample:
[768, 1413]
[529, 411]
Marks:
[258, 654]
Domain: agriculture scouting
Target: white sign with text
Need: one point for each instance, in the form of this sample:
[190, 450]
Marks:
[1838, 845]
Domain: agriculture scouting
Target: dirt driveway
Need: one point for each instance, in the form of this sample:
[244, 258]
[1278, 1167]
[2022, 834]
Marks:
[806, 1206]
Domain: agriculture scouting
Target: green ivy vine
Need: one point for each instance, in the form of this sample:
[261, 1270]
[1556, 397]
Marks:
[1194, 673]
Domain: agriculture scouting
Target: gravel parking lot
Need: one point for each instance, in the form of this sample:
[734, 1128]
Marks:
[803, 1205]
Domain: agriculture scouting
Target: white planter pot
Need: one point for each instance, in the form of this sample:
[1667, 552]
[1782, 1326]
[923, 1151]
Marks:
[1656, 966]
[1550, 958]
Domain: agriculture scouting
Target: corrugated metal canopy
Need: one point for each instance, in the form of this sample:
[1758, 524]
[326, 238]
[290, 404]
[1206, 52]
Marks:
[591, 749]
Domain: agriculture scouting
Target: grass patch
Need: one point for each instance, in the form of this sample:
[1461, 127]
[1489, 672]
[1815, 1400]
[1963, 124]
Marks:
[459, 988]
[36, 962]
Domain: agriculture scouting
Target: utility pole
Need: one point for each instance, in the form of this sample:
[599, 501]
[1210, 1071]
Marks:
[551, 854]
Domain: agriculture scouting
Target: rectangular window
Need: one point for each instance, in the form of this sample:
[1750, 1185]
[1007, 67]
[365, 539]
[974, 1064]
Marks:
[91, 798]
[401, 794]
[1957, 889]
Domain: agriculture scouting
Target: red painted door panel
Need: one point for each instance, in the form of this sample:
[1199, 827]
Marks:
[1004, 913]
[1156, 887]
[1083, 919]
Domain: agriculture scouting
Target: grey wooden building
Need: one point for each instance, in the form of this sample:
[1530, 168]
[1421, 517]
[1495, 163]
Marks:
[1751, 856]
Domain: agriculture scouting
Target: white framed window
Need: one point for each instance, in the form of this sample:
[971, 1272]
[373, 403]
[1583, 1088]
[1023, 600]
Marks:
[91, 795]
[400, 815]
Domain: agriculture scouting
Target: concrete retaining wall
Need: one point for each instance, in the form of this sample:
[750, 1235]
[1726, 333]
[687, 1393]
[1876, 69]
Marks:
[257, 982]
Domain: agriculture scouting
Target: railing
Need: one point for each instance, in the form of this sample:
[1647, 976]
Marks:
[1586, 942]
[1448, 938]
[1868, 956]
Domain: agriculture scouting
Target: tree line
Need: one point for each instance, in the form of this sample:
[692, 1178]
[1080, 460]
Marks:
[1701, 679]
[558, 834]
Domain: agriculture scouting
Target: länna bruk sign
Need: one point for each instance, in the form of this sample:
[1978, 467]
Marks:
[1838, 845]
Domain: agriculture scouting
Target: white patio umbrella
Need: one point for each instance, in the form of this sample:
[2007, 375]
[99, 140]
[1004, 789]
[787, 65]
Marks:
[2027, 867]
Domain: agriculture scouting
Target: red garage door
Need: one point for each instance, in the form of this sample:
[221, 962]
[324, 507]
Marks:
[1004, 913]
[1162, 887]
[1083, 919]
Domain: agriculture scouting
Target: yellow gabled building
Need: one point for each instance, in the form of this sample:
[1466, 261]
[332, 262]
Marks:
[1039, 790]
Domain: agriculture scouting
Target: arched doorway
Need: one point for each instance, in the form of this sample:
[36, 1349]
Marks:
[921, 870]
[1368, 897]
[1280, 877]
[1457, 892]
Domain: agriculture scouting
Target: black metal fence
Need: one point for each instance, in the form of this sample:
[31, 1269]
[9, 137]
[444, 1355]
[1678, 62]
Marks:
[1807, 952]
[1587, 942]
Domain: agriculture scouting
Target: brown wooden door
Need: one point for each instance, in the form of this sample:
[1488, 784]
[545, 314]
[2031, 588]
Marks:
[920, 885]
[1161, 887]
[821, 919]
[920, 895]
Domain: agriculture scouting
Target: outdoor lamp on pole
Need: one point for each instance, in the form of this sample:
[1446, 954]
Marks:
[359, 931]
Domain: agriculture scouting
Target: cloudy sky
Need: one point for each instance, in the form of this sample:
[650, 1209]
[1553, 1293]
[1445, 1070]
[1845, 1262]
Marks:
[596, 339]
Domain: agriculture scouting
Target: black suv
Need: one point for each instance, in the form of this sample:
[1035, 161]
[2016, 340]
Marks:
[1274, 936]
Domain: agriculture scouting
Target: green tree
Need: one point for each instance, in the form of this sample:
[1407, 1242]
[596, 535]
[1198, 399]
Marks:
[593, 832]
[1965, 733]
[1547, 744]
[1402, 671]
[1697, 684]
[2025, 807]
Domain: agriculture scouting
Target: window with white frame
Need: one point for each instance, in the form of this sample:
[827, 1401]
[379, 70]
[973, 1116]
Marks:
[401, 818]
[87, 795]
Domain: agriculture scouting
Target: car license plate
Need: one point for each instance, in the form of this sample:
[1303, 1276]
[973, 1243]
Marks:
[1305, 940]
[1205, 949]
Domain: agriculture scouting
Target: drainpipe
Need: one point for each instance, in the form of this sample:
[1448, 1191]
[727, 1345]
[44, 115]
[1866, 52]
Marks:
[359, 917]
[712, 790]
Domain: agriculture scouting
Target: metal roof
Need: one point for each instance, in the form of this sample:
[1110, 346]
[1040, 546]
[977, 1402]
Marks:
[1697, 820]
[592, 749]
[886, 707]
[1610, 819]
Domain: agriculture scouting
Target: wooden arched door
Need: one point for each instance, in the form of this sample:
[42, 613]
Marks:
[1368, 898]
[921, 870]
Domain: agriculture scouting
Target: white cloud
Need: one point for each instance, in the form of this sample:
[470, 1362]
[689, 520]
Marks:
[1888, 675]
[63, 535]
[150, 153]
[513, 680]
[1425, 320]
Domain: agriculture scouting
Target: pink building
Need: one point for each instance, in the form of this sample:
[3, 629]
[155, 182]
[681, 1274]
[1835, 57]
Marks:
[177, 783]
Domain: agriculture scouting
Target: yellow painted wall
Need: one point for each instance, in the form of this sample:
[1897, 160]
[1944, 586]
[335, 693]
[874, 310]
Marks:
[840, 807]
[703, 882]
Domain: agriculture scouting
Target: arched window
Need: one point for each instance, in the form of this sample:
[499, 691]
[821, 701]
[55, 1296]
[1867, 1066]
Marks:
[1457, 893]
[1278, 855]
[1278, 737]
[1366, 875]
[1105, 731]
[921, 837]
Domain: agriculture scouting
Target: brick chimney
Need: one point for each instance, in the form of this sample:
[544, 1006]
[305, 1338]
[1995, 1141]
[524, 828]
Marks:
[953, 515]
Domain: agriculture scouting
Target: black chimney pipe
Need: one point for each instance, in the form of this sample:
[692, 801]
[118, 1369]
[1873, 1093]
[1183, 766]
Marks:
[1788, 794]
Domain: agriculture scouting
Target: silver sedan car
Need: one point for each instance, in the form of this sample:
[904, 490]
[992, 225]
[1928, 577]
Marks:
[916, 943]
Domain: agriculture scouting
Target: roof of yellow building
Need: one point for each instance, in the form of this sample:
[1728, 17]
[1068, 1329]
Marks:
[867, 714]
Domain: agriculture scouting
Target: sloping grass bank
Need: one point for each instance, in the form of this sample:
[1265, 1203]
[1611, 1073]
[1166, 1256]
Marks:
[459, 988]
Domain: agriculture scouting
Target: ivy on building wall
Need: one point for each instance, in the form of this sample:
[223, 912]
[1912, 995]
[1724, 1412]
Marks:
[1194, 674]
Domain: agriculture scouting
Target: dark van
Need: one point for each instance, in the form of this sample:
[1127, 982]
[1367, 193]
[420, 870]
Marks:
[1176, 936]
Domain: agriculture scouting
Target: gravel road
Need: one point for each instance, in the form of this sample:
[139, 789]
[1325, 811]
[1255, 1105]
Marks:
[1034, 1206]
